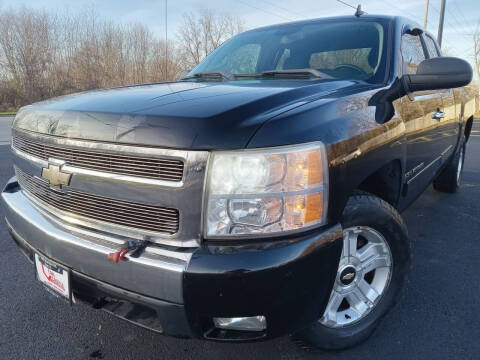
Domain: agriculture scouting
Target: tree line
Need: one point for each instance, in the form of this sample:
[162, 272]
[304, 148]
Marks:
[43, 55]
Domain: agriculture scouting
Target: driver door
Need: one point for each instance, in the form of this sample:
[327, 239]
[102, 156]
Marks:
[421, 112]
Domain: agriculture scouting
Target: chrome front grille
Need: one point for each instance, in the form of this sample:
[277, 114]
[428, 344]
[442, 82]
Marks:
[107, 201]
[158, 168]
[129, 214]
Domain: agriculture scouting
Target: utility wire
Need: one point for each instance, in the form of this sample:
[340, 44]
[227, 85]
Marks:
[404, 12]
[455, 18]
[451, 26]
[265, 11]
[455, 3]
[448, 44]
[284, 9]
[417, 19]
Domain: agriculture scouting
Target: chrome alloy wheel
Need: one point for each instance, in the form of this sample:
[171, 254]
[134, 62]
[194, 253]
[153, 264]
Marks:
[460, 166]
[363, 276]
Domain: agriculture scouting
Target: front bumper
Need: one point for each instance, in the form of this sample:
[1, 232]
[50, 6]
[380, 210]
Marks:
[288, 281]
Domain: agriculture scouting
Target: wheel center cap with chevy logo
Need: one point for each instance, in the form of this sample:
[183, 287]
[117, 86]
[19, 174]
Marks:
[347, 276]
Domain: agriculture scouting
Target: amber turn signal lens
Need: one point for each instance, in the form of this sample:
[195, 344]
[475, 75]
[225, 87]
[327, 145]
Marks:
[303, 210]
[314, 208]
[315, 171]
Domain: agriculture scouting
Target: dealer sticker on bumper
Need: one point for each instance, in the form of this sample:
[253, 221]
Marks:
[53, 276]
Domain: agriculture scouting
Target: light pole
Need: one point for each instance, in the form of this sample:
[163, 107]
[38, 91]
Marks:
[166, 40]
[425, 18]
[440, 24]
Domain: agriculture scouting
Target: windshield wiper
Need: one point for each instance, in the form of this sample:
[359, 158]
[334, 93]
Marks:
[301, 74]
[213, 75]
[289, 74]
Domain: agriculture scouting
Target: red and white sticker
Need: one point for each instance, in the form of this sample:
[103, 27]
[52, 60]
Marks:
[53, 276]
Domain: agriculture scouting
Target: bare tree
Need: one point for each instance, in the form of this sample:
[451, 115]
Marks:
[476, 59]
[48, 54]
[200, 34]
[25, 40]
[164, 66]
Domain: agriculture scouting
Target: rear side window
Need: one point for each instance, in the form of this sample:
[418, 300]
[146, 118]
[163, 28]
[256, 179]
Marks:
[412, 53]
[431, 48]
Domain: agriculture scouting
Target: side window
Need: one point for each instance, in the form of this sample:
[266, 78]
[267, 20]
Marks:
[431, 48]
[412, 53]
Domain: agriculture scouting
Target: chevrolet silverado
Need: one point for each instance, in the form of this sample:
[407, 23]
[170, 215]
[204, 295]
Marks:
[258, 196]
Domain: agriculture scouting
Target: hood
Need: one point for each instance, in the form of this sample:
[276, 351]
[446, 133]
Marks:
[183, 115]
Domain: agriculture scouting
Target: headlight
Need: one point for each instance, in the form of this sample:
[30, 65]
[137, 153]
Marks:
[266, 191]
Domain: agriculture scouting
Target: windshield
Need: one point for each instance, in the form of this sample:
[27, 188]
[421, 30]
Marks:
[345, 49]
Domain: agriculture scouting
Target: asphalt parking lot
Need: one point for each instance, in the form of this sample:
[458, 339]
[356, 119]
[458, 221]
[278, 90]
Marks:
[438, 318]
[5, 122]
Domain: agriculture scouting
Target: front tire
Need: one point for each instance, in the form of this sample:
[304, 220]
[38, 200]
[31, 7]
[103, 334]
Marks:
[372, 272]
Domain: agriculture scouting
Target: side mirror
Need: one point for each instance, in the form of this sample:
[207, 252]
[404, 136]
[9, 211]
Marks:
[439, 73]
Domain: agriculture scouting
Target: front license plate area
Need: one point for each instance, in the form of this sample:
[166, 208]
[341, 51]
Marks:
[54, 277]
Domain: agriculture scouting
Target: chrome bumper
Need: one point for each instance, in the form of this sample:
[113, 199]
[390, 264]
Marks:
[157, 273]
[179, 294]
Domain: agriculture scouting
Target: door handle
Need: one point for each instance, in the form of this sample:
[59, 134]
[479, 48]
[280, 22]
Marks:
[438, 115]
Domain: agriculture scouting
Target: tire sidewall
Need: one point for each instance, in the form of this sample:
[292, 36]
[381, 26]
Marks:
[447, 180]
[461, 151]
[364, 211]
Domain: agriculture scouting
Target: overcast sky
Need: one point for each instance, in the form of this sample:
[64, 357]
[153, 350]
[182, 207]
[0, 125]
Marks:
[462, 16]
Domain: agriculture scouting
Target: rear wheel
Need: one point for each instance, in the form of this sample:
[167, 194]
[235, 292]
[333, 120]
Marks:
[372, 272]
[450, 178]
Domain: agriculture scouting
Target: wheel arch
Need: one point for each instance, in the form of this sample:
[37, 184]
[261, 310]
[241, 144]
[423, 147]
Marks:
[384, 182]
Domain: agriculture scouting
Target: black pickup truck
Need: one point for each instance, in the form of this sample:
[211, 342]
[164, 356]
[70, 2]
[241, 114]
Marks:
[256, 197]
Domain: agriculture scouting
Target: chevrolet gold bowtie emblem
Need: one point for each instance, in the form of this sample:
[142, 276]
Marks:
[55, 176]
